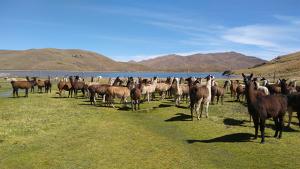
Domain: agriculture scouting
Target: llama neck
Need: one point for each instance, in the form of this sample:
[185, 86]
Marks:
[208, 86]
[250, 94]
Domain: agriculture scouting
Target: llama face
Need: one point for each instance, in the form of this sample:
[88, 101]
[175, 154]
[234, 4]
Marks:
[247, 79]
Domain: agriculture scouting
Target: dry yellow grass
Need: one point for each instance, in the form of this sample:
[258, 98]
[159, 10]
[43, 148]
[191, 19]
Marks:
[287, 66]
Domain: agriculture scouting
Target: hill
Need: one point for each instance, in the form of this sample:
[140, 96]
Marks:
[282, 66]
[82, 60]
[60, 59]
[202, 62]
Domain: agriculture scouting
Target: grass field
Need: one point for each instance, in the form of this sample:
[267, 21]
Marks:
[44, 131]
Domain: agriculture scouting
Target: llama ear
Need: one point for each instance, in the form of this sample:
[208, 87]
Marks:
[251, 75]
[243, 74]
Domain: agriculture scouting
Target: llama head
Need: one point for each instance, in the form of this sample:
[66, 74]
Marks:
[247, 79]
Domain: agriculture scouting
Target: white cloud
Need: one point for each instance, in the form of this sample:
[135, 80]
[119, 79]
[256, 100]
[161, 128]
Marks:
[277, 38]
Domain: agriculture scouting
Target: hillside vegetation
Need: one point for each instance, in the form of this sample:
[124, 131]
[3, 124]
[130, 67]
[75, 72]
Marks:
[282, 66]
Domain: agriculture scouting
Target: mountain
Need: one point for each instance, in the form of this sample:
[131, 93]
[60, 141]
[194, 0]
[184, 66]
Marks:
[60, 59]
[82, 60]
[202, 62]
[286, 66]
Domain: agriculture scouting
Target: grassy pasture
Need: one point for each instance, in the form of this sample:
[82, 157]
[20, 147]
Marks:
[44, 131]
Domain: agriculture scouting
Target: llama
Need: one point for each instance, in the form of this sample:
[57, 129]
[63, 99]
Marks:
[120, 92]
[233, 87]
[136, 95]
[16, 85]
[48, 85]
[200, 96]
[227, 84]
[163, 87]
[293, 101]
[40, 85]
[240, 92]
[149, 88]
[78, 85]
[65, 85]
[218, 92]
[274, 88]
[263, 107]
[179, 90]
[264, 89]
[99, 89]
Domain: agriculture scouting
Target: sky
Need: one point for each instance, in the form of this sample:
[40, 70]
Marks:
[139, 29]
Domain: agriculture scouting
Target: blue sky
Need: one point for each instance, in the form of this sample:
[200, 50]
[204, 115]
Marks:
[136, 29]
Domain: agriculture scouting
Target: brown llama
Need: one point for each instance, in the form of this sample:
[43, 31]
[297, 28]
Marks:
[78, 85]
[227, 84]
[200, 96]
[293, 101]
[99, 89]
[136, 95]
[263, 107]
[233, 87]
[240, 92]
[16, 85]
[65, 85]
[217, 91]
[48, 85]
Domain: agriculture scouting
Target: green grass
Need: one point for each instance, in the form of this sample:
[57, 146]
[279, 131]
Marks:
[43, 131]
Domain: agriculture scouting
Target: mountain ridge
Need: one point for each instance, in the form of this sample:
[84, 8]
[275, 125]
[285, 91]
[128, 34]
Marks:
[84, 60]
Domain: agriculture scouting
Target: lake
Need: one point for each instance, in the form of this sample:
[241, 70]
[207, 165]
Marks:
[19, 73]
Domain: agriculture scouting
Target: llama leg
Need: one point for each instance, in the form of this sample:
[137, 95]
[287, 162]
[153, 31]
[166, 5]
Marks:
[206, 109]
[132, 105]
[290, 118]
[298, 115]
[198, 106]
[262, 130]
[103, 98]
[256, 122]
[26, 92]
[192, 109]
[14, 92]
[201, 109]
[138, 102]
[276, 126]
[222, 100]
[281, 124]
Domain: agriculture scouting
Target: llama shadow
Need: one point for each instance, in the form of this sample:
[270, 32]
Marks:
[230, 138]
[58, 97]
[162, 106]
[180, 117]
[182, 107]
[285, 129]
[234, 122]
[125, 108]
[235, 101]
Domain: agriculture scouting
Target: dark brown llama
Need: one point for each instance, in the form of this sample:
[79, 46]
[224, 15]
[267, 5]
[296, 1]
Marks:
[263, 107]
[78, 85]
[136, 96]
[293, 101]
